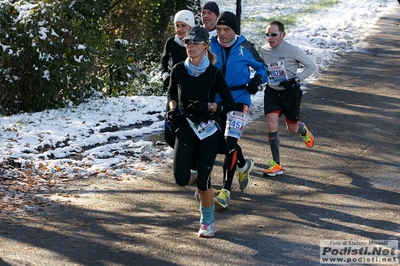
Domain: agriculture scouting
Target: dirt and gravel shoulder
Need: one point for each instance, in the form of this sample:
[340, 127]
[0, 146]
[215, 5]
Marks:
[346, 187]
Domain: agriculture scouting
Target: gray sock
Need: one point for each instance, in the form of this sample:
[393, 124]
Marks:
[302, 131]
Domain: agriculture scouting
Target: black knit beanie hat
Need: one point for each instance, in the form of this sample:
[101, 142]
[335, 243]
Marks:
[228, 19]
[212, 6]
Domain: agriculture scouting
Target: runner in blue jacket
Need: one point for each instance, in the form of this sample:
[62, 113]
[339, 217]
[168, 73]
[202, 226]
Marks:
[235, 57]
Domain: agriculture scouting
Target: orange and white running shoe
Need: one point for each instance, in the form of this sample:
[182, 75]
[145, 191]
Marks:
[308, 138]
[274, 169]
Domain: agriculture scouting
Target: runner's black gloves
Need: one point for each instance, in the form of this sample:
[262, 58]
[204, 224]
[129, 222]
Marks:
[289, 84]
[198, 107]
[165, 84]
[173, 120]
[171, 115]
[252, 86]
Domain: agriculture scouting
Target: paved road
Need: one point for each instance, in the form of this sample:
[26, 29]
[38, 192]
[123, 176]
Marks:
[346, 187]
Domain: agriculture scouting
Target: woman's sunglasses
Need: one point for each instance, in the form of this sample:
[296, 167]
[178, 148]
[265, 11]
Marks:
[188, 42]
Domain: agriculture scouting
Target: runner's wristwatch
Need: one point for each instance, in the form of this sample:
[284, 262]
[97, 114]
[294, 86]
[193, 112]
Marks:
[297, 80]
[211, 107]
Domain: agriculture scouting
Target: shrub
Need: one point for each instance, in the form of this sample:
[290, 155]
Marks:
[48, 54]
[55, 53]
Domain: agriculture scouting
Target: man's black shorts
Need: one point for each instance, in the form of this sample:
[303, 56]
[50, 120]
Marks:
[286, 101]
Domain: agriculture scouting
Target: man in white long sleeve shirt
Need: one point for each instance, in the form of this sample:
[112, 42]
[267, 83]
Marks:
[283, 93]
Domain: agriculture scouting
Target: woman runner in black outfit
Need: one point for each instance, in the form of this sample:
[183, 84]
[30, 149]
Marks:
[194, 116]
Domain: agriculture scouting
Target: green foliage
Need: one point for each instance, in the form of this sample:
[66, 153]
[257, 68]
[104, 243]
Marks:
[59, 52]
[321, 5]
[144, 36]
[49, 56]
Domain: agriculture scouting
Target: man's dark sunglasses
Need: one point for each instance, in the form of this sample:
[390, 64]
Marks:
[274, 34]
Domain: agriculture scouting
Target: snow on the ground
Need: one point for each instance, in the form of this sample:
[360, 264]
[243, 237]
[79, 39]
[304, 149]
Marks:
[107, 138]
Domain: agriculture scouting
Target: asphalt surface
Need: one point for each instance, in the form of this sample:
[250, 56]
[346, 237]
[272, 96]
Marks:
[346, 187]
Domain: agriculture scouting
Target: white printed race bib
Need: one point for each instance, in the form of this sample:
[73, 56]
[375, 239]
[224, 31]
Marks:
[235, 124]
[277, 73]
[204, 129]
